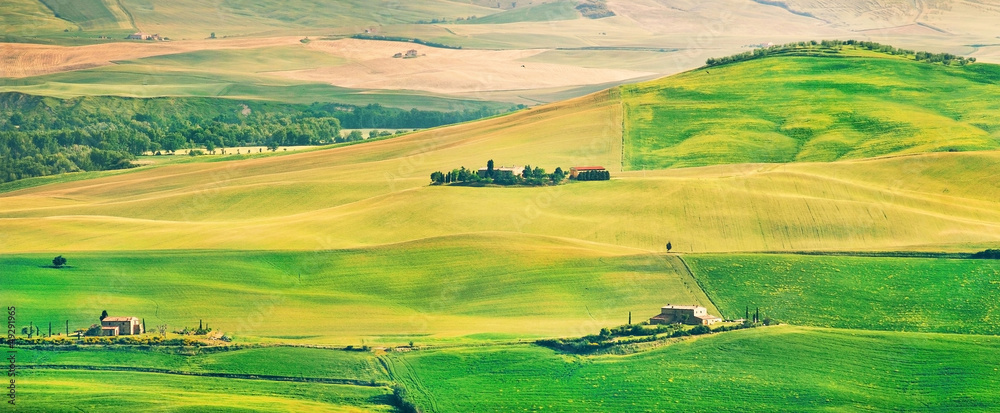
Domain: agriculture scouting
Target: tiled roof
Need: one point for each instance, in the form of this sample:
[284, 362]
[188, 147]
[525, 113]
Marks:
[682, 307]
[120, 319]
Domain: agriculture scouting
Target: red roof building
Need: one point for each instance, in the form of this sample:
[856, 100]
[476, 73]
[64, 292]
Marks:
[575, 171]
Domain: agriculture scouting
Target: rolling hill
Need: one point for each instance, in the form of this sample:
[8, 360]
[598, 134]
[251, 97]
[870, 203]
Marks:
[377, 193]
[350, 245]
[798, 108]
[767, 369]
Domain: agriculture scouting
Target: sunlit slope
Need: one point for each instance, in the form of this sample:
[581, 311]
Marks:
[50, 390]
[453, 286]
[91, 14]
[194, 19]
[797, 108]
[761, 370]
[898, 294]
[25, 18]
[787, 208]
[377, 193]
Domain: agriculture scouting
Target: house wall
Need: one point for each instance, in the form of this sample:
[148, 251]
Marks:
[125, 328]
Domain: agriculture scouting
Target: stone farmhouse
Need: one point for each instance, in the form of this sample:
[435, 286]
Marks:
[121, 326]
[512, 170]
[143, 36]
[684, 314]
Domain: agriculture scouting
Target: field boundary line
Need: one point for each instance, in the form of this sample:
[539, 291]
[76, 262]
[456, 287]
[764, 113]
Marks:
[873, 254]
[697, 282]
[241, 376]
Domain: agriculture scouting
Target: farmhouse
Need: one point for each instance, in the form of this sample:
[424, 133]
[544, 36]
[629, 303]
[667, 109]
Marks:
[410, 54]
[575, 171]
[684, 314]
[512, 170]
[143, 36]
[121, 326]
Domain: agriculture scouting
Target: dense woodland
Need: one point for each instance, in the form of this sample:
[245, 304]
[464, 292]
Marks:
[43, 136]
[946, 59]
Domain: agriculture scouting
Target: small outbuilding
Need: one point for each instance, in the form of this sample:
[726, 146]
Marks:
[684, 314]
[574, 172]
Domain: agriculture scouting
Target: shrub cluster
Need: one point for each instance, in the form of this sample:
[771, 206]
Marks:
[610, 337]
[401, 400]
[143, 340]
[594, 9]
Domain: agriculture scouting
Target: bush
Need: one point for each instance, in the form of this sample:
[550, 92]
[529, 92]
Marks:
[987, 255]
[401, 401]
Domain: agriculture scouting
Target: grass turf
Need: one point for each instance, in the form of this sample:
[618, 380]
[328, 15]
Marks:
[798, 108]
[766, 369]
[898, 294]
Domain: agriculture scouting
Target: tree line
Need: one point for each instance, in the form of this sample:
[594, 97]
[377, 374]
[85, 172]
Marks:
[44, 136]
[404, 39]
[946, 59]
[593, 176]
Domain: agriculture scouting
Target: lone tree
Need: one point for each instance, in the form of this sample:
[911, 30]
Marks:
[489, 168]
[58, 262]
[669, 246]
[104, 314]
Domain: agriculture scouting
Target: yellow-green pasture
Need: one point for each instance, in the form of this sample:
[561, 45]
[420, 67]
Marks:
[802, 108]
[767, 369]
[513, 286]
[377, 193]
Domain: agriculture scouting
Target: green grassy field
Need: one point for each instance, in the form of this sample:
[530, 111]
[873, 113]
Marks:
[421, 290]
[90, 14]
[154, 80]
[899, 294]
[766, 369]
[546, 12]
[789, 109]
[264, 59]
[62, 390]
[27, 18]
[269, 361]
[193, 19]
